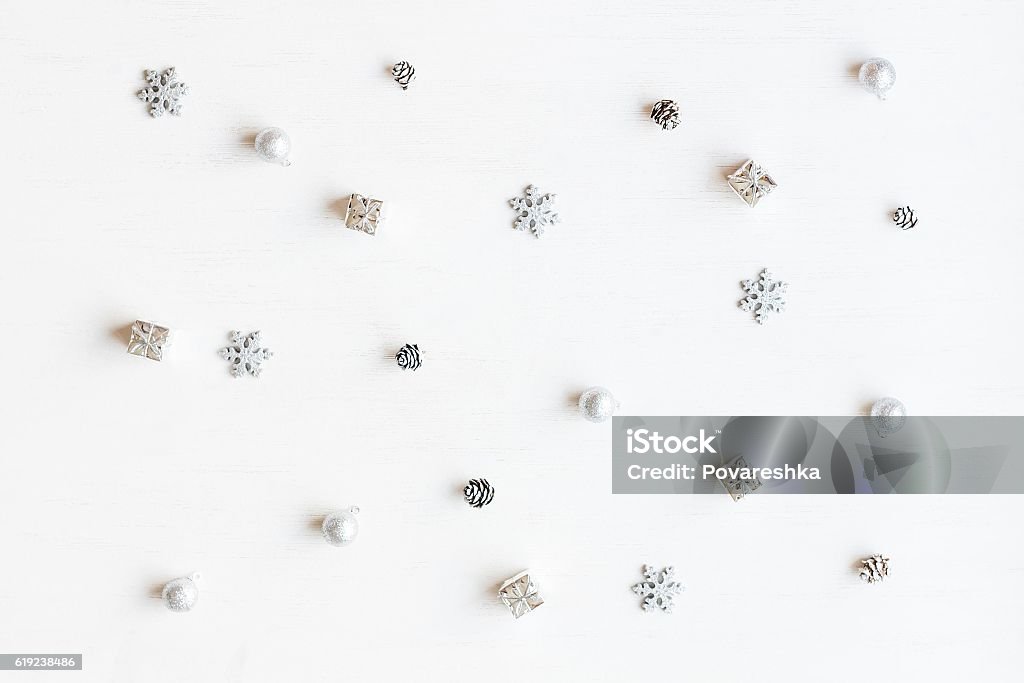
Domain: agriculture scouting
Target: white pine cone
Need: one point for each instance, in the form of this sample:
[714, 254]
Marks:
[404, 74]
[904, 218]
[409, 357]
[666, 114]
[874, 569]
[478, 492]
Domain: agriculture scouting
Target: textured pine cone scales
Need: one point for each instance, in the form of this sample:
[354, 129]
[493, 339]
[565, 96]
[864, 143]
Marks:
[478, 492]
[404, 74]
[874, 569]
[904, 218]
[409, 357]
[666, 114]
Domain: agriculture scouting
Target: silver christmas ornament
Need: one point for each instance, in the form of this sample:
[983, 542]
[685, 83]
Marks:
[274, 145]
[520, 594]
[751, 182]
[409, 357]
[888, 416]
[364, 214]
[597, 404]
[180, 595]
[404, 74]
[904, 218]
[246, 354]
[877, 76]
[666, 114]
[164, 93]
[874, 569]
[148, 340]
[764, 295]
[342, 527]
[478, 492]
[658, 589]
[535, 211]
[739, 487]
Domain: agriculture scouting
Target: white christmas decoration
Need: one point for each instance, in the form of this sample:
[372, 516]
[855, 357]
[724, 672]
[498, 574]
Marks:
[180, 595]
[765, 296]
[164, 93]
[342, 527]
[658, 589]
[273, 145]
[246, 354]
[535, 211]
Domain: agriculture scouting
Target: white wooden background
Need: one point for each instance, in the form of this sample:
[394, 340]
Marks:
[120, 474]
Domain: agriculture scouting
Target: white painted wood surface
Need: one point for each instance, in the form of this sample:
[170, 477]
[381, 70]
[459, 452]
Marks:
[120, 474]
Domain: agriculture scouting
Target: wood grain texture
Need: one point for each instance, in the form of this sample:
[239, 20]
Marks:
[121, 474]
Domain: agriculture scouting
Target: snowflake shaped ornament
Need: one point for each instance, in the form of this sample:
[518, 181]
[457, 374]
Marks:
[536, 211]
[764, 295]
[751, 182]
[658, 589]
[164, 93]
[246, 354]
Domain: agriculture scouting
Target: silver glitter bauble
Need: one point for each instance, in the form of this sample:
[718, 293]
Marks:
[597, 404]
[181, 594]
[341, 527]
[888, 415]
[878, 76]
[274, 145]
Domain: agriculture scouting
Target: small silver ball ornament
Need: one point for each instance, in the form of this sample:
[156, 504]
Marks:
[341, 528]
[597, 404]
[180, 595]
[877, 76]
[888, 415]
[274, 145]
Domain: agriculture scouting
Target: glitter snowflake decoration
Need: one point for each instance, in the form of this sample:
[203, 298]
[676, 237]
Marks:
[535, 211]
[764, 295]
[246, 354]
[164, 93]
[751, 182]
[658, 589]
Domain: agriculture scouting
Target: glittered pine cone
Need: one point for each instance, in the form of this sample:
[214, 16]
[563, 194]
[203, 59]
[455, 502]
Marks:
[874, 569]
[666, 114]
[904, 218]
[409, 357]
[404, 74]
[478, 492]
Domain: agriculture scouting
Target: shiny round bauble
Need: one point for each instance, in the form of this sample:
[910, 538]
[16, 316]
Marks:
[877, 76]
[888, 415]
[597, 404]
[180, 595]
[341, 528]
[274, 145]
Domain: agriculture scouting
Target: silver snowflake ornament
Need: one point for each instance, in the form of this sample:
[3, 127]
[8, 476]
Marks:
[658, 589]
[751, 182]
[534, 211]
[246, 354]
[164, 92]
[764, 295]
